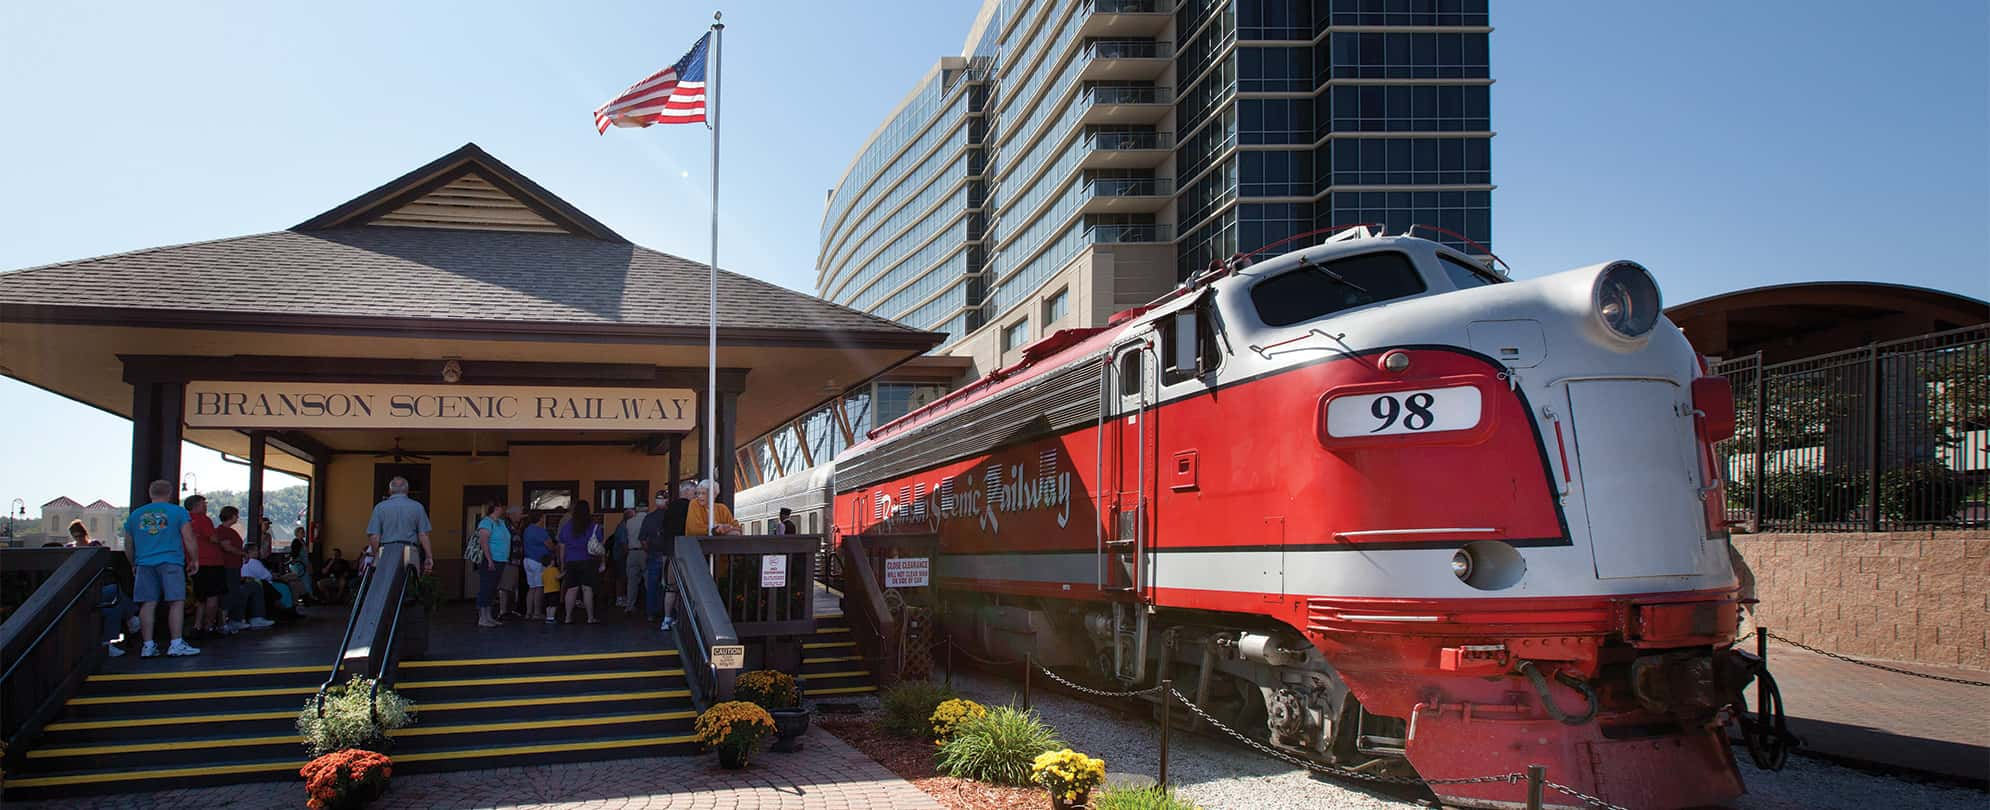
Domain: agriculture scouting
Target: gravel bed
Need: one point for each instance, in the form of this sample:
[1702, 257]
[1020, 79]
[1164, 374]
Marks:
[1221, 777]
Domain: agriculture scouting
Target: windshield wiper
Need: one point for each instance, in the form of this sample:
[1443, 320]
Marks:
[1336, 277]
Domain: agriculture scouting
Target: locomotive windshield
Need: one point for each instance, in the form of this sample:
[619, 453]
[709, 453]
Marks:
[1315, 290]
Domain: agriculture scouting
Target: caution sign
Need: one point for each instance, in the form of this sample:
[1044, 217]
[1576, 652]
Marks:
[728, 656]
[907, 572]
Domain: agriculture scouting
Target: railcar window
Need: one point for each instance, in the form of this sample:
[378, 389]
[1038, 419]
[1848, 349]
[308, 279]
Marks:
[1207, 356]
[1464, 275]
[1316, 290]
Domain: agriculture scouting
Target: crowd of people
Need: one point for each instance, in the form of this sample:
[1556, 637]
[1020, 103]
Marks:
[559, 565]
[551, 565]
[177, 547]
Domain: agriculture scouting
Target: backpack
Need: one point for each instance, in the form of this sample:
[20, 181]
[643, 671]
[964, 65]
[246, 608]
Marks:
[473, 551]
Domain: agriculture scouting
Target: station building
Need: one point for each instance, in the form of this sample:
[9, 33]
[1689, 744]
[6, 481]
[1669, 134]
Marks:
[460, 326]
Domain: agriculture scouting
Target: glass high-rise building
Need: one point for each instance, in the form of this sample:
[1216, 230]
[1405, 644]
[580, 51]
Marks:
[1082, 156]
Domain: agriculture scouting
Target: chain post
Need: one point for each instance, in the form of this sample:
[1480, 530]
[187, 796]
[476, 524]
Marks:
[1535, 776]
[1167, 701]
[950, 662]
[1029, 663]
[1761, 688]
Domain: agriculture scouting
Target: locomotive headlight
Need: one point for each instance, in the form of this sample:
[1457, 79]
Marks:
[1461, 564]
[1627, 300]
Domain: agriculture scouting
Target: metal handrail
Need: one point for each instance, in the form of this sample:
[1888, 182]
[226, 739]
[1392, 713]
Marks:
[23, 657]
[706, 676]
[388, 658]
[352, 620]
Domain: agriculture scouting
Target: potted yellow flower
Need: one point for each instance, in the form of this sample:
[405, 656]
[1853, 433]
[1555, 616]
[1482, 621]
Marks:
[734, 728]
[1069, 775]
[775, 691]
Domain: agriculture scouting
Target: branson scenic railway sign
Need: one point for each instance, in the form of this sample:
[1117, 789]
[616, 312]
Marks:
[373, 406]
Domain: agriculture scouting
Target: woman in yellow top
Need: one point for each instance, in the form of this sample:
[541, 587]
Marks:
[698, 522]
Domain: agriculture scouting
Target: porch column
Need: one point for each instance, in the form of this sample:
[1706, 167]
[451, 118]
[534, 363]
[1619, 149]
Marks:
[676, 462]
[315, 514]
[258, 455]
[728, 420]
[156, 410]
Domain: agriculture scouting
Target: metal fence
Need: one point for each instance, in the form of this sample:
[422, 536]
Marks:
[1883, 437]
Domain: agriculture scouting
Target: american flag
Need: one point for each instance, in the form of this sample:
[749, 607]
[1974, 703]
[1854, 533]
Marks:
[674, 95]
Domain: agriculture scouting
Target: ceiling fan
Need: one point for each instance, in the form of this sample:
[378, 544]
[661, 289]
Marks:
[401, 456]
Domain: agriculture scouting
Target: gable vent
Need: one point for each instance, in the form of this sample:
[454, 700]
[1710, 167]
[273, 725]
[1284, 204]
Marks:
[469, 202]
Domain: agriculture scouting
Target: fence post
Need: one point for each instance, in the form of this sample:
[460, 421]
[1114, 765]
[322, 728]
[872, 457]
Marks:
[1535, 776]
[1167, 700]
[1872, 437]
[1029, 663]
[1761, 442]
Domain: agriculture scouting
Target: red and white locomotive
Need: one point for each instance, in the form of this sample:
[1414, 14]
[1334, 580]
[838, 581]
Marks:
[1368, 500]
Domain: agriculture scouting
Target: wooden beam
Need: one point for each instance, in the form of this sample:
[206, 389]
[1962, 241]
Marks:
[258, 460]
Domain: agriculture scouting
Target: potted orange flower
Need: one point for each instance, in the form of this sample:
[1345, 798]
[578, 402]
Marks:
[734, 728]
[346, 779]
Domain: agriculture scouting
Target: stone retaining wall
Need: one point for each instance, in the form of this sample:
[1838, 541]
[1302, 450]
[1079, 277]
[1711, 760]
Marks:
[1906, 596]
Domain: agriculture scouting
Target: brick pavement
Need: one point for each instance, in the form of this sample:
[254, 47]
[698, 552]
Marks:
[1851, 712]
[826, 775]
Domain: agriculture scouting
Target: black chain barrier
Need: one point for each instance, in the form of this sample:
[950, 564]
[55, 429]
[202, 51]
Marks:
[1896, 670]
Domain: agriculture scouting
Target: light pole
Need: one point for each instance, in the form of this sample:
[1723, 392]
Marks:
[190, 484]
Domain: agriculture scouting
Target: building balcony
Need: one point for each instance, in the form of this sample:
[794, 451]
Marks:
[1127, 195]
[1133, 104]
[1131, 149]
[1126, 18]
[1126, 60]
[1130, 234]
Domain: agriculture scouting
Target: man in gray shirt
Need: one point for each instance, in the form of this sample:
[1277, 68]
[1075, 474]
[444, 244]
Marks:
[400, 519]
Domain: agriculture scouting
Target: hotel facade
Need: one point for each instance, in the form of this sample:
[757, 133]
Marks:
[1082, 156]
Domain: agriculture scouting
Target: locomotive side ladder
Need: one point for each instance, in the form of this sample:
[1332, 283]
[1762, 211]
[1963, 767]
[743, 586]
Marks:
[1123, 456]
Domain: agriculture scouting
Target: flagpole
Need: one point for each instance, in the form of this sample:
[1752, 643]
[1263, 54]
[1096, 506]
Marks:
[712, 317]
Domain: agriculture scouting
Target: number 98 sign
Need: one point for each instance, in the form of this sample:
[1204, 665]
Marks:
[1433, 410]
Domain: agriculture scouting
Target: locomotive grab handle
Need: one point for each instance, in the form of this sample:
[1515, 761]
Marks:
[1533, 674]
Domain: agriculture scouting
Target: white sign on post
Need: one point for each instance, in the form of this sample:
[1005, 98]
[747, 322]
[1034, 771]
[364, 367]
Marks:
[907, 572]
[728, 656]
[773, 570]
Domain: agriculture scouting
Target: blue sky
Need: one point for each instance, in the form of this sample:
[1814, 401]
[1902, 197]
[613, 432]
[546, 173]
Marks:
[1724, 145]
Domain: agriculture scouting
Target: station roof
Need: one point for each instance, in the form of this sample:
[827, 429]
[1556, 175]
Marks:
[1789, 321]
[464, 258]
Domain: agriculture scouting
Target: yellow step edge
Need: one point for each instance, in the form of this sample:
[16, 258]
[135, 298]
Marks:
[825, 615]
[549, 678]
[167, 773]
[824, 645]
[540, 700]
[587, 745]
[842, 690]
[851, 674]
[534, 659]
[526, 725]
[167, 745]
[822, 630]
[835, 660]
[202, 673]
[223, 694]
[168, 720]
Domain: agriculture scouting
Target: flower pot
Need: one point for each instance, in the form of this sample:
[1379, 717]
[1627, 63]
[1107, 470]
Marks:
[789, 726]
[733, 758]
[1057, 801]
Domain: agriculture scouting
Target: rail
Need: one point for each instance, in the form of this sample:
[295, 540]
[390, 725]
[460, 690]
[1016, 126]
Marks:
[345, 641]
[48, 675]
[706, 624]
[389, 660]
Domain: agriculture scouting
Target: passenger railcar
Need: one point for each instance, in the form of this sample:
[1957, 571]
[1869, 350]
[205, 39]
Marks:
[1363, 500]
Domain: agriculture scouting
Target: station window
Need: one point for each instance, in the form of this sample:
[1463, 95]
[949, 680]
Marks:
[549, 496]
[1056, 306]
[615, 496]
[1015, 335]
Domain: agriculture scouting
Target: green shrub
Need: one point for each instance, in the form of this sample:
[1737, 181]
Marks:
[1811, 496]
[348, 719]
[1922, 492]
[998, 748]
[906, 710]
[1146, 798]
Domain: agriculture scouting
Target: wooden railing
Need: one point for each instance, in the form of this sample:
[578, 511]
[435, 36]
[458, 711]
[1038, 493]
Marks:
[873, 625]
[725, 602]
[53, 639]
